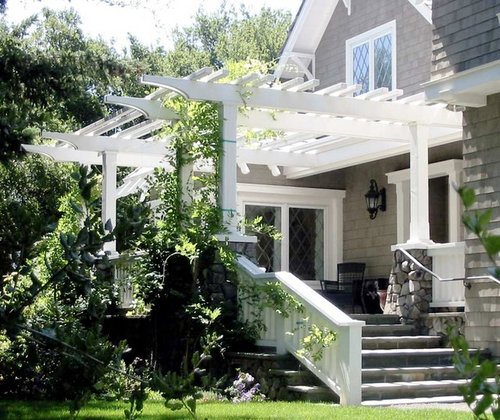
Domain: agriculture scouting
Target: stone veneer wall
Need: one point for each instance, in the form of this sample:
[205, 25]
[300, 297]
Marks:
[410, 288]
[219, 281]
[438, 323]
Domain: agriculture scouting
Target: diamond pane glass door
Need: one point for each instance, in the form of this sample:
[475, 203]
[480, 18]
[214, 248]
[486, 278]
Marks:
[268, 250]
[306, 243]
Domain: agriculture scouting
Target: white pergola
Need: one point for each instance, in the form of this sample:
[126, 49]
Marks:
[315, 131]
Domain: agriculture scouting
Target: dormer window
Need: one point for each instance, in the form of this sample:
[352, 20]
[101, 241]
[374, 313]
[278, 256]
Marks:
[371, 58]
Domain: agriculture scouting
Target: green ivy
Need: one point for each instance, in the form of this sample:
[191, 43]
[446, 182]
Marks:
[316, 341]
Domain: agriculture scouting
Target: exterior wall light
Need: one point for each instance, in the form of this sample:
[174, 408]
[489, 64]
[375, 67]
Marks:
[373, 198]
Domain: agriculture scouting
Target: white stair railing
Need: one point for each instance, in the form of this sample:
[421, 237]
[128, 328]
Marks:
[340, 366]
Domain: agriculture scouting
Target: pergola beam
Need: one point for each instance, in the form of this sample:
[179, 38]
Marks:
[66, 154]
[321, 125]
[305, 102]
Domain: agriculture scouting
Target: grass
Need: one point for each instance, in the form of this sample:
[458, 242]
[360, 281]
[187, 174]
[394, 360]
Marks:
[155, 410]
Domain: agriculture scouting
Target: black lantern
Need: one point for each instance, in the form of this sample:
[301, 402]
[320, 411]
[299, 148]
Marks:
[373, 197]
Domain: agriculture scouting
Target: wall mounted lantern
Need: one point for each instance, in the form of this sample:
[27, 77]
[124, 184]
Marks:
[373, 198]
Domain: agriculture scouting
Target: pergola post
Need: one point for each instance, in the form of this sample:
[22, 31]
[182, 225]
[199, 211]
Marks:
[108, 212]
[419, 184]
[228, 172]
[187, 183]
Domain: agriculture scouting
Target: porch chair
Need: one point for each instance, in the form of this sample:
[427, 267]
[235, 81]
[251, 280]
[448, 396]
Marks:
[349, 284]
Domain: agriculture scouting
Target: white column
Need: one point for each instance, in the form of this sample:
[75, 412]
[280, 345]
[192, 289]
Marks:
[109, 194]
[227, 189]
[419, 185]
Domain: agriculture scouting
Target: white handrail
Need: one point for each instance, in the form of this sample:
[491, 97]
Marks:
[464, 279]
[340, 366]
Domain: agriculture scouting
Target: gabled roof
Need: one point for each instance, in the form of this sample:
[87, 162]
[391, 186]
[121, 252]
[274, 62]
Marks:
[309, 26]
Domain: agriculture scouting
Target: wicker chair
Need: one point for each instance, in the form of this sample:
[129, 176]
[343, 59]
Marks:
[349, 284]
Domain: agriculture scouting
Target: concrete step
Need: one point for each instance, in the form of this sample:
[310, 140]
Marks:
[415, 389]
[377, 319]
[295, 377]
[384, 330]
[312, 393]
[406, 374]
[401, 342]
[406, 357]
[453, 399]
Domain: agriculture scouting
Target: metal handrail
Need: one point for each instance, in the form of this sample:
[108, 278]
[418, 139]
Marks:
[466, 280]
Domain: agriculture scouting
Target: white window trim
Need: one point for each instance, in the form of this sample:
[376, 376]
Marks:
[453, 170]
[370, 36]
[331, 201]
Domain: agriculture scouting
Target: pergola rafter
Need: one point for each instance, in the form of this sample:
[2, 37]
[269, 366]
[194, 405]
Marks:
[315, 131]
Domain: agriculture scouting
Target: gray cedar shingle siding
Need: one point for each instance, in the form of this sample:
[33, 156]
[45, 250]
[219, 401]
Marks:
[482, 173]
[413, 41]
[466, 35]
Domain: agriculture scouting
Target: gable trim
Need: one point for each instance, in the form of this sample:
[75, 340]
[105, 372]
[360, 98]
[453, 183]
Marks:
[320, 12]
[423, 9]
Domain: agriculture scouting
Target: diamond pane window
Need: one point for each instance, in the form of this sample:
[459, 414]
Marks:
[306, 243]
[383, 61]
[370, 58]
[361, 66]
[268, 250]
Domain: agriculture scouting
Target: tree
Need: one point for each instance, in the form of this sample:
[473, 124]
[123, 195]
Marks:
[51, 78]
[228, 36]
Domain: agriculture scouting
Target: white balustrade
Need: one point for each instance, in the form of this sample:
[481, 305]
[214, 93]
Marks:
[122, 268]
[340, 366]
[448, 261]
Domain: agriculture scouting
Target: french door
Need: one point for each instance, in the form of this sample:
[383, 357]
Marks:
[302, 249]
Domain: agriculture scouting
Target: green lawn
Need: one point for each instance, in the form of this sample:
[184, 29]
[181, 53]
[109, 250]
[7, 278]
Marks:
[219, 410]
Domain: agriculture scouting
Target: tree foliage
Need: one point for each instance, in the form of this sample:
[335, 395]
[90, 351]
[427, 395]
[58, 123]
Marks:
[54, 78]
[228, 35]
[51, 78]
[58, 303]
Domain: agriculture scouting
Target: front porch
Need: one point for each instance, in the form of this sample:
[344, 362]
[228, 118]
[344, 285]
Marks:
[321, 149]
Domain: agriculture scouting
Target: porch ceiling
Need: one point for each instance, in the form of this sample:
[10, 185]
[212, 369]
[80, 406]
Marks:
[311, 132]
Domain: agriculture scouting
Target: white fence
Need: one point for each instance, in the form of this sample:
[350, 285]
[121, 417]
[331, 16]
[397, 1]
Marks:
[340, 366]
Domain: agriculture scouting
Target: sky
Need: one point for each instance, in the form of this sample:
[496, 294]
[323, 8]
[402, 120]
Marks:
[151, 21]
